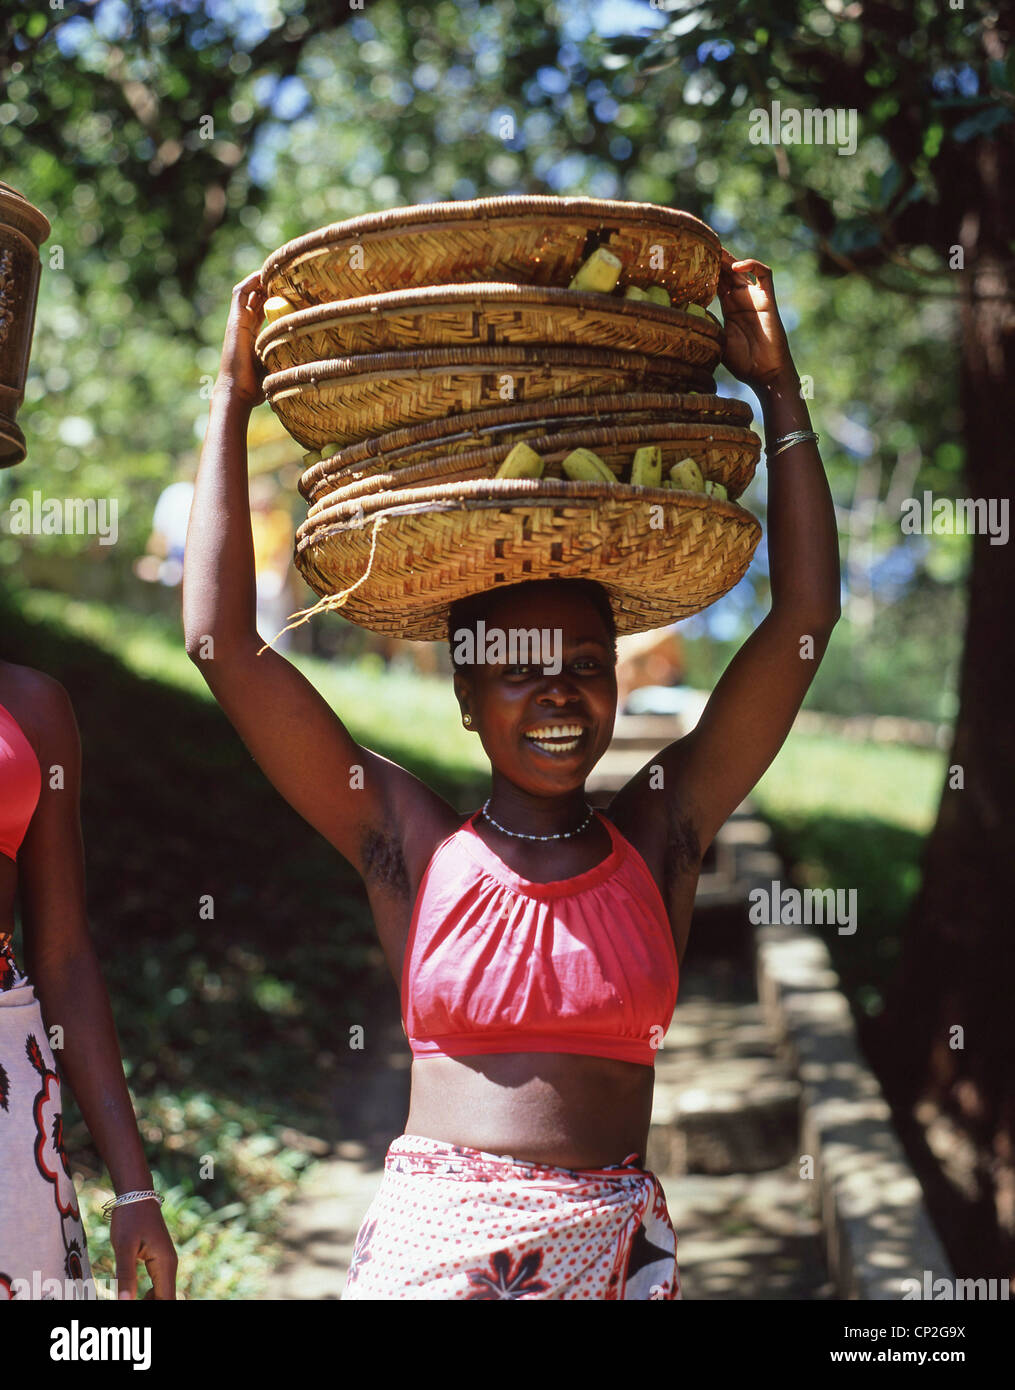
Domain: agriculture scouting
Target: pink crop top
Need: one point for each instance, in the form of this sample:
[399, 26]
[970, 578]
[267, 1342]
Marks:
[20, 784]
[495, 963]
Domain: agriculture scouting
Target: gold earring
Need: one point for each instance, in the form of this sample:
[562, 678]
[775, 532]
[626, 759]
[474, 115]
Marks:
[466, 719]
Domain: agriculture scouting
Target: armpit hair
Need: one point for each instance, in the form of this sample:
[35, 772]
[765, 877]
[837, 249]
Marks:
[383, 862]
[683, 848]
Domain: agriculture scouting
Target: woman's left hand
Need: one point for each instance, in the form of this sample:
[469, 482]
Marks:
[138, 1232]
[757, 351]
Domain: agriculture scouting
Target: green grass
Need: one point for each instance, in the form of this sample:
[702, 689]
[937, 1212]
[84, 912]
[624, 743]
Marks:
[855, 816]
[818, 775]
[396, 710]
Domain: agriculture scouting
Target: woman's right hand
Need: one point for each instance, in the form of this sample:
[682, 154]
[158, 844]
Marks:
[240, 372]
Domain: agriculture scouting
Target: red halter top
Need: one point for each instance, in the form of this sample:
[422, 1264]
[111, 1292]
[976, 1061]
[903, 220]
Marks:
[496, 963]
[20, 784]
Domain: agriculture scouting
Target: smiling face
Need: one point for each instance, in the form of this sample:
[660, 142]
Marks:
[544, 732]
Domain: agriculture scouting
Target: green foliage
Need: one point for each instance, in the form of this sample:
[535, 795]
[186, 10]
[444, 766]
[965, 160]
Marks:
[920, 78]
[854, 816]
[463, 99]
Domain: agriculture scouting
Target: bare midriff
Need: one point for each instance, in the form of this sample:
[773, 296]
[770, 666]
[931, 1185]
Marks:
[544, 1107]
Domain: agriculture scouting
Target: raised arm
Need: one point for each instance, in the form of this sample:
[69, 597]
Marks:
[62, 963]
[350, 795]
[709, 771]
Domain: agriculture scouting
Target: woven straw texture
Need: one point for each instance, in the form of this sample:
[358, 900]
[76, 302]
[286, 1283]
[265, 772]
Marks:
[394, 562]
[505, 425]
[340, 400]
[500, 315]
[534, 240]
[724, 454]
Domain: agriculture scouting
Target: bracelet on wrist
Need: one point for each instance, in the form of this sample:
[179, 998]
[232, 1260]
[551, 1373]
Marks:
[786, 441]
[127, 1199]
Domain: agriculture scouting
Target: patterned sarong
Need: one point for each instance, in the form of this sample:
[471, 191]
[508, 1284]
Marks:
[455, 1223]
[42, 1242]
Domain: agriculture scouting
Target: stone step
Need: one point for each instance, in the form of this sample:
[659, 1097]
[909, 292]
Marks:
[725, 1102]
[742, 1118]
[748, 1237]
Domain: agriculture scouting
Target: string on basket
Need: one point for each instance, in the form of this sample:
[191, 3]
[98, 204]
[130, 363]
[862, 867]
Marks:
[330, 601]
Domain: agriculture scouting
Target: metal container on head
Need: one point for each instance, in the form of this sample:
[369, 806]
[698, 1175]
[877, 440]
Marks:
[23, 229]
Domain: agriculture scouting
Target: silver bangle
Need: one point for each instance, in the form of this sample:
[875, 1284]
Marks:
[787, 441]
[125, 1200]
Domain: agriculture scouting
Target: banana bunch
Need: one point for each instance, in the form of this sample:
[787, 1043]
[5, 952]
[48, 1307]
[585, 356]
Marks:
[584, 466]
[601, 272]
[581, 465]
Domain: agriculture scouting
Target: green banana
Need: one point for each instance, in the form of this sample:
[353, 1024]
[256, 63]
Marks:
[717, 490]
[647, 468]
[658, 294]
[633, 292]
[686, 475]
[696, 310]
[583, 466]
[599, 273]
[521, 462]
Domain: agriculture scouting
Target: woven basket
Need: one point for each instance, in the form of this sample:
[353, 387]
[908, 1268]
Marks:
[531, 240]
[395, 561]
[725, 454]
[341, 400]
[505, 425]
[464, 315]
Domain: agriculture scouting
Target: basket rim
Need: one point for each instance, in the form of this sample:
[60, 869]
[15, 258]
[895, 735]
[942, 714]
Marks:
[492, 492]
[550, 410]
[504, 208]
[370, 306]
[474, 357]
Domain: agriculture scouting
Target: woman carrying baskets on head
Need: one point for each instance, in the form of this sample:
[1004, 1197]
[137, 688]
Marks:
[536, 943]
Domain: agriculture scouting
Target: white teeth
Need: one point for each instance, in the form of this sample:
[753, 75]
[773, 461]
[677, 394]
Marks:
[556, 738]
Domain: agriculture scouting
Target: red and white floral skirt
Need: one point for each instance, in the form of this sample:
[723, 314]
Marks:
[455, 1223]
[43, 1253]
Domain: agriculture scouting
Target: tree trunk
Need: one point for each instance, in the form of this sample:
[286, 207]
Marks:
[955, 1090]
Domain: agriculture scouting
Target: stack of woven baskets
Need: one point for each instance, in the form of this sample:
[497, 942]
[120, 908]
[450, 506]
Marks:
[424, 343]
